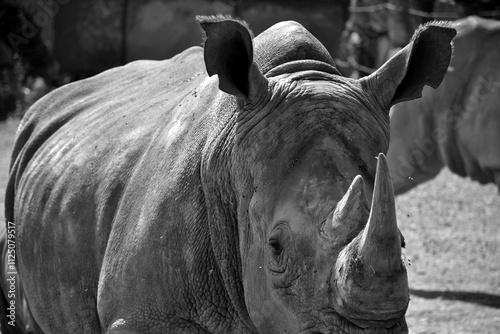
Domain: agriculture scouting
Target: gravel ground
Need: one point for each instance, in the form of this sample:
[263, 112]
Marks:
[451, 225]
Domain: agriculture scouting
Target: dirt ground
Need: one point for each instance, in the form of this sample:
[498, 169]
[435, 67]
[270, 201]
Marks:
[452, 231]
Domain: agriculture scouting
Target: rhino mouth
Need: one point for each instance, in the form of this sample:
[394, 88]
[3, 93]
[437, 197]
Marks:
[354, 326]
[398, 326]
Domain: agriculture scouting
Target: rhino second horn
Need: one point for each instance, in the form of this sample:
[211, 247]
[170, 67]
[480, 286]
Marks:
[380, 244]
[353, 205]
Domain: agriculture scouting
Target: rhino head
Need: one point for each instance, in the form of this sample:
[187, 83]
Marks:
[304, 251]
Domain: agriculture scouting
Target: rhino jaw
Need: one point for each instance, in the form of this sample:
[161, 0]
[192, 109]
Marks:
[370, 278]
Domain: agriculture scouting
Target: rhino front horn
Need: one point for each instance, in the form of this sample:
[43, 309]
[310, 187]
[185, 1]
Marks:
[380, 244]
[370, 277]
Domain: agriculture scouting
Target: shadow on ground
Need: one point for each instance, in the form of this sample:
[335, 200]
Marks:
[485, 299]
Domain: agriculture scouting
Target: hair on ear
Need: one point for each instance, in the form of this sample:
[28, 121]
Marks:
[204, 21]
[434, 23]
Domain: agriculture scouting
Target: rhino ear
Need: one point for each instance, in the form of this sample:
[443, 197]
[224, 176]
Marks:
[423, 61]
[228, 52]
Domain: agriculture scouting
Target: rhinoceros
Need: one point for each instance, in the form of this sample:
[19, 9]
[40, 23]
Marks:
[225, 190]
[458, 124]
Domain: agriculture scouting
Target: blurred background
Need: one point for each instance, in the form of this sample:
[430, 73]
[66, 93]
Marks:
[451, 224]
[64, 40]
[46, 43]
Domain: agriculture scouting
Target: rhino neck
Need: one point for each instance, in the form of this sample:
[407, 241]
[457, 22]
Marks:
[221, 207]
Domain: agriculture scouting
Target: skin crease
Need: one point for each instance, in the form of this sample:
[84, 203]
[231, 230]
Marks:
[162, 200]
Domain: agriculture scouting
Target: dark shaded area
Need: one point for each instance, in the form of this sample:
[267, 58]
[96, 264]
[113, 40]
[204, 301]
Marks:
[21, 39]
[92, 36]
[484, 8]
[88, 37]
[480, 298]
[28, 70]
[378, 27]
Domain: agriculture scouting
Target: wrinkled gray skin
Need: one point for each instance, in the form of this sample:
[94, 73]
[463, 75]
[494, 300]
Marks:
[154, 198]
[458, 124]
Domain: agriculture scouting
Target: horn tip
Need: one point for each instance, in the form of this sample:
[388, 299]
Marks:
[357, 181]
[383, 171]
[382, 158]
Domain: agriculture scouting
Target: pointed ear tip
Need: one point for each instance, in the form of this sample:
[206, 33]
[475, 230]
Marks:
[449, 32]
[452, 31]
[201, 19]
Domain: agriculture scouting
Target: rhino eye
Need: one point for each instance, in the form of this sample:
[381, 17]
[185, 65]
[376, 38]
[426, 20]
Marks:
[276, 246]
[278, 240]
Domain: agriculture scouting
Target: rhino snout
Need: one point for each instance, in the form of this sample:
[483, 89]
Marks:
[370, 277]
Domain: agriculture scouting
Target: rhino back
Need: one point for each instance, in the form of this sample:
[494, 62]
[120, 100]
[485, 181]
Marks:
[100, 164]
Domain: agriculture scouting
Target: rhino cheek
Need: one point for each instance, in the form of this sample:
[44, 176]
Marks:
[266, 310]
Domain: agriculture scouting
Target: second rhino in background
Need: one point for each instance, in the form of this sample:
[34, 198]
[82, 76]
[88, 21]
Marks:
[458, 124]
